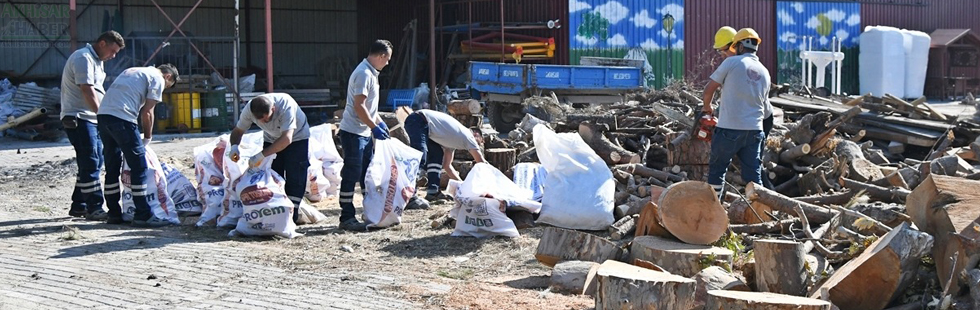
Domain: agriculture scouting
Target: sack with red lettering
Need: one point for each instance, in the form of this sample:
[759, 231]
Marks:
[161, 206]
[266, 209]
[181, 191]
[317, 183]
[208, 161]
[231, 207]
[390, 181]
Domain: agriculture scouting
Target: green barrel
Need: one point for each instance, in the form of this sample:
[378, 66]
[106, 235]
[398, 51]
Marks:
[214, 111]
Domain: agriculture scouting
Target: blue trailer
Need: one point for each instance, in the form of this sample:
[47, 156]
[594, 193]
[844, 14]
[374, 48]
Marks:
[505, 86]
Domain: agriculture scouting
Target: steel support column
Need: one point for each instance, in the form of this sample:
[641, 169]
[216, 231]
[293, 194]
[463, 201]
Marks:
[268, 44]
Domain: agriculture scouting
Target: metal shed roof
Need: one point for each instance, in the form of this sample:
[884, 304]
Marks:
[944, 37]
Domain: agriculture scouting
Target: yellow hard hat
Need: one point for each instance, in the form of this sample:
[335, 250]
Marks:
[746, 33]
[724, 37]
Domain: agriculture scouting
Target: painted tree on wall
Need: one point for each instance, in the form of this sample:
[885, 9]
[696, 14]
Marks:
[594, 26]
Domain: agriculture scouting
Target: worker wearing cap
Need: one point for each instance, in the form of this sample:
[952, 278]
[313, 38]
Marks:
[286, 133]
[133, 94]
[81, 94]
[438, 135]
[742, 109]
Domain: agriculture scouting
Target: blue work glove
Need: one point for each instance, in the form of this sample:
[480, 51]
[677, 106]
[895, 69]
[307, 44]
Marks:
[384, 126]
[380, 131]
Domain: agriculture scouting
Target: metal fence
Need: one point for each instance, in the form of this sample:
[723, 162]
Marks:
[147, 50]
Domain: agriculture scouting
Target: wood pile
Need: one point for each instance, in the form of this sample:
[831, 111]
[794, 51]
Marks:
[873, 203]
[42, 119]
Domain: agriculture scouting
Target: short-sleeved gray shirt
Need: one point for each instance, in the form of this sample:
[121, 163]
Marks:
[745, 98]
[363, 81]
[449, 132]
[82, 67]
[286, 115]
[130, 90]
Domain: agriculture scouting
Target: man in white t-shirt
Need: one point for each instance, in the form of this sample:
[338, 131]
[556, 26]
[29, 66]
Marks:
[438, 136]
[286, 133]
[132, 95]
[743, 107]
[359, 126]
[81, 94]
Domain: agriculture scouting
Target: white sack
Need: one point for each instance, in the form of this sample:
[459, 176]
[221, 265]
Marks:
[391, 178]
[161, 206]
[266, 209]
[579, 187]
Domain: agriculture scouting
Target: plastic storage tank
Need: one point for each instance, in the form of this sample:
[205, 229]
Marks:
[882, 61]
[916, 60]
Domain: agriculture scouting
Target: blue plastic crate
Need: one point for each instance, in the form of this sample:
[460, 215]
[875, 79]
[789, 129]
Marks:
[400, 97]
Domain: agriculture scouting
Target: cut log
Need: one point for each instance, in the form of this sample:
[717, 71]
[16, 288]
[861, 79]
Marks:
[891, 179]
[624, 286]
[780, 267]
[788, 156]
[683, 150]
[647, 172]
[716, 278]
[881, 273]
[648, 223]
[562, 244]
[764, 228]
[815, 214]
[463, 107]
[734, 300]
[839, 198]
[574, 120]
[942, 205]
[574, 277]
[609, 152]
[502, 159]
[691, 212]
[741, 211]
[624, 227]
[891, 194]
[677, 257]
[648, 265]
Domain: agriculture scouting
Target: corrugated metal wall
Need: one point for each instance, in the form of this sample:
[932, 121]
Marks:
[634, 29]
[706, 16]
[935, 14]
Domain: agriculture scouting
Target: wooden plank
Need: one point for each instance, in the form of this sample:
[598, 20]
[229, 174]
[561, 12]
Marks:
[786, 101]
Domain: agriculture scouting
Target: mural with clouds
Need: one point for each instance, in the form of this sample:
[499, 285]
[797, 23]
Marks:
[649, 30]
[823, 21]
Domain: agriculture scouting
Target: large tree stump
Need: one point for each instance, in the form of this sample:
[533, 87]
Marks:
[611, 153]
[624, 286]
[502, 159]
[463, 107]
[677, 257]
[574, 277]
[815, 214]
[716, 278]
[687, 151]
[691, 211]
[559, 244]
[734, 300]
[780, 267]
[880, 274]
[941, 205]
[648, 224]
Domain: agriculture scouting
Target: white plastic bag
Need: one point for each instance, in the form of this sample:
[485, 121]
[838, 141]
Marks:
[481, 217]
[157, 196]
[267, 210]
[531, 176]
[181, 191]
[231, 207]
[579, 187]
[324, 150]
[316, 183]
[485, 180]
[308, 214]
[208, 161]
[390, 179]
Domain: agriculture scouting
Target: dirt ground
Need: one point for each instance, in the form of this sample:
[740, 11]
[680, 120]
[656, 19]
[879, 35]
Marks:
[48, 260]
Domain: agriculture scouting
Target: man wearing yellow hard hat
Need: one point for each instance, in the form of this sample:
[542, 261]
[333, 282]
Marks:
[743, 106]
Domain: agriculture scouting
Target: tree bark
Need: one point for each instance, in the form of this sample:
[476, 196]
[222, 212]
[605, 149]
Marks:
[716, 278]
[881, 273]
[562, 244]
[677, 257]
[815, 214]
[648, 223]
[780, 267]
[733, 300]
[765, 227]
[741, 211]
[502, 159]
[464, 107]
[691, 211]
[624, 227]
[790, 155]
[838, 198]
[575, 277]
[893, 194]
[624, 286]
[612, 154]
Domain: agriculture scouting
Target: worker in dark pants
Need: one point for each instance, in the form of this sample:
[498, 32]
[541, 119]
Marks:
[286, 133]
[136, 89]
[81, 95]
[438, 136]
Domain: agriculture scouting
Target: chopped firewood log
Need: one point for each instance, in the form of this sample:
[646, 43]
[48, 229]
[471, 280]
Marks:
[574, 120]
[575, 277]
[502, 159]
[742, 211]
[677, 257]
[780, 267]
[463, 107]
[820, 140]
[943, 205]
[838, 198]
[823, 178]
[624, 286]
[716, 278]
[859, 168]
[891, 194]
[609, 152]
[881, 273]
[892, 179]
[734, 300]
[944, 142]
[790, 155]
[879, 212]
[791, 187]
[648, 265]
[563, 244]
[815, 214]
[765, 227]
[648, 223]
[624, 227]
[647, 172]
[691, 211]
[800, 132]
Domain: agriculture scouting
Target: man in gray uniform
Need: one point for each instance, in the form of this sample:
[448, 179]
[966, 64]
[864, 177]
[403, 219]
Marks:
[133, 94]
[286, 133]
[438, 136]
[360, 122]
[81, 94]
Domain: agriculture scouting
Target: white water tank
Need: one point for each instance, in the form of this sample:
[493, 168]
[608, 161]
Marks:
[916, 60]
[882, 61]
